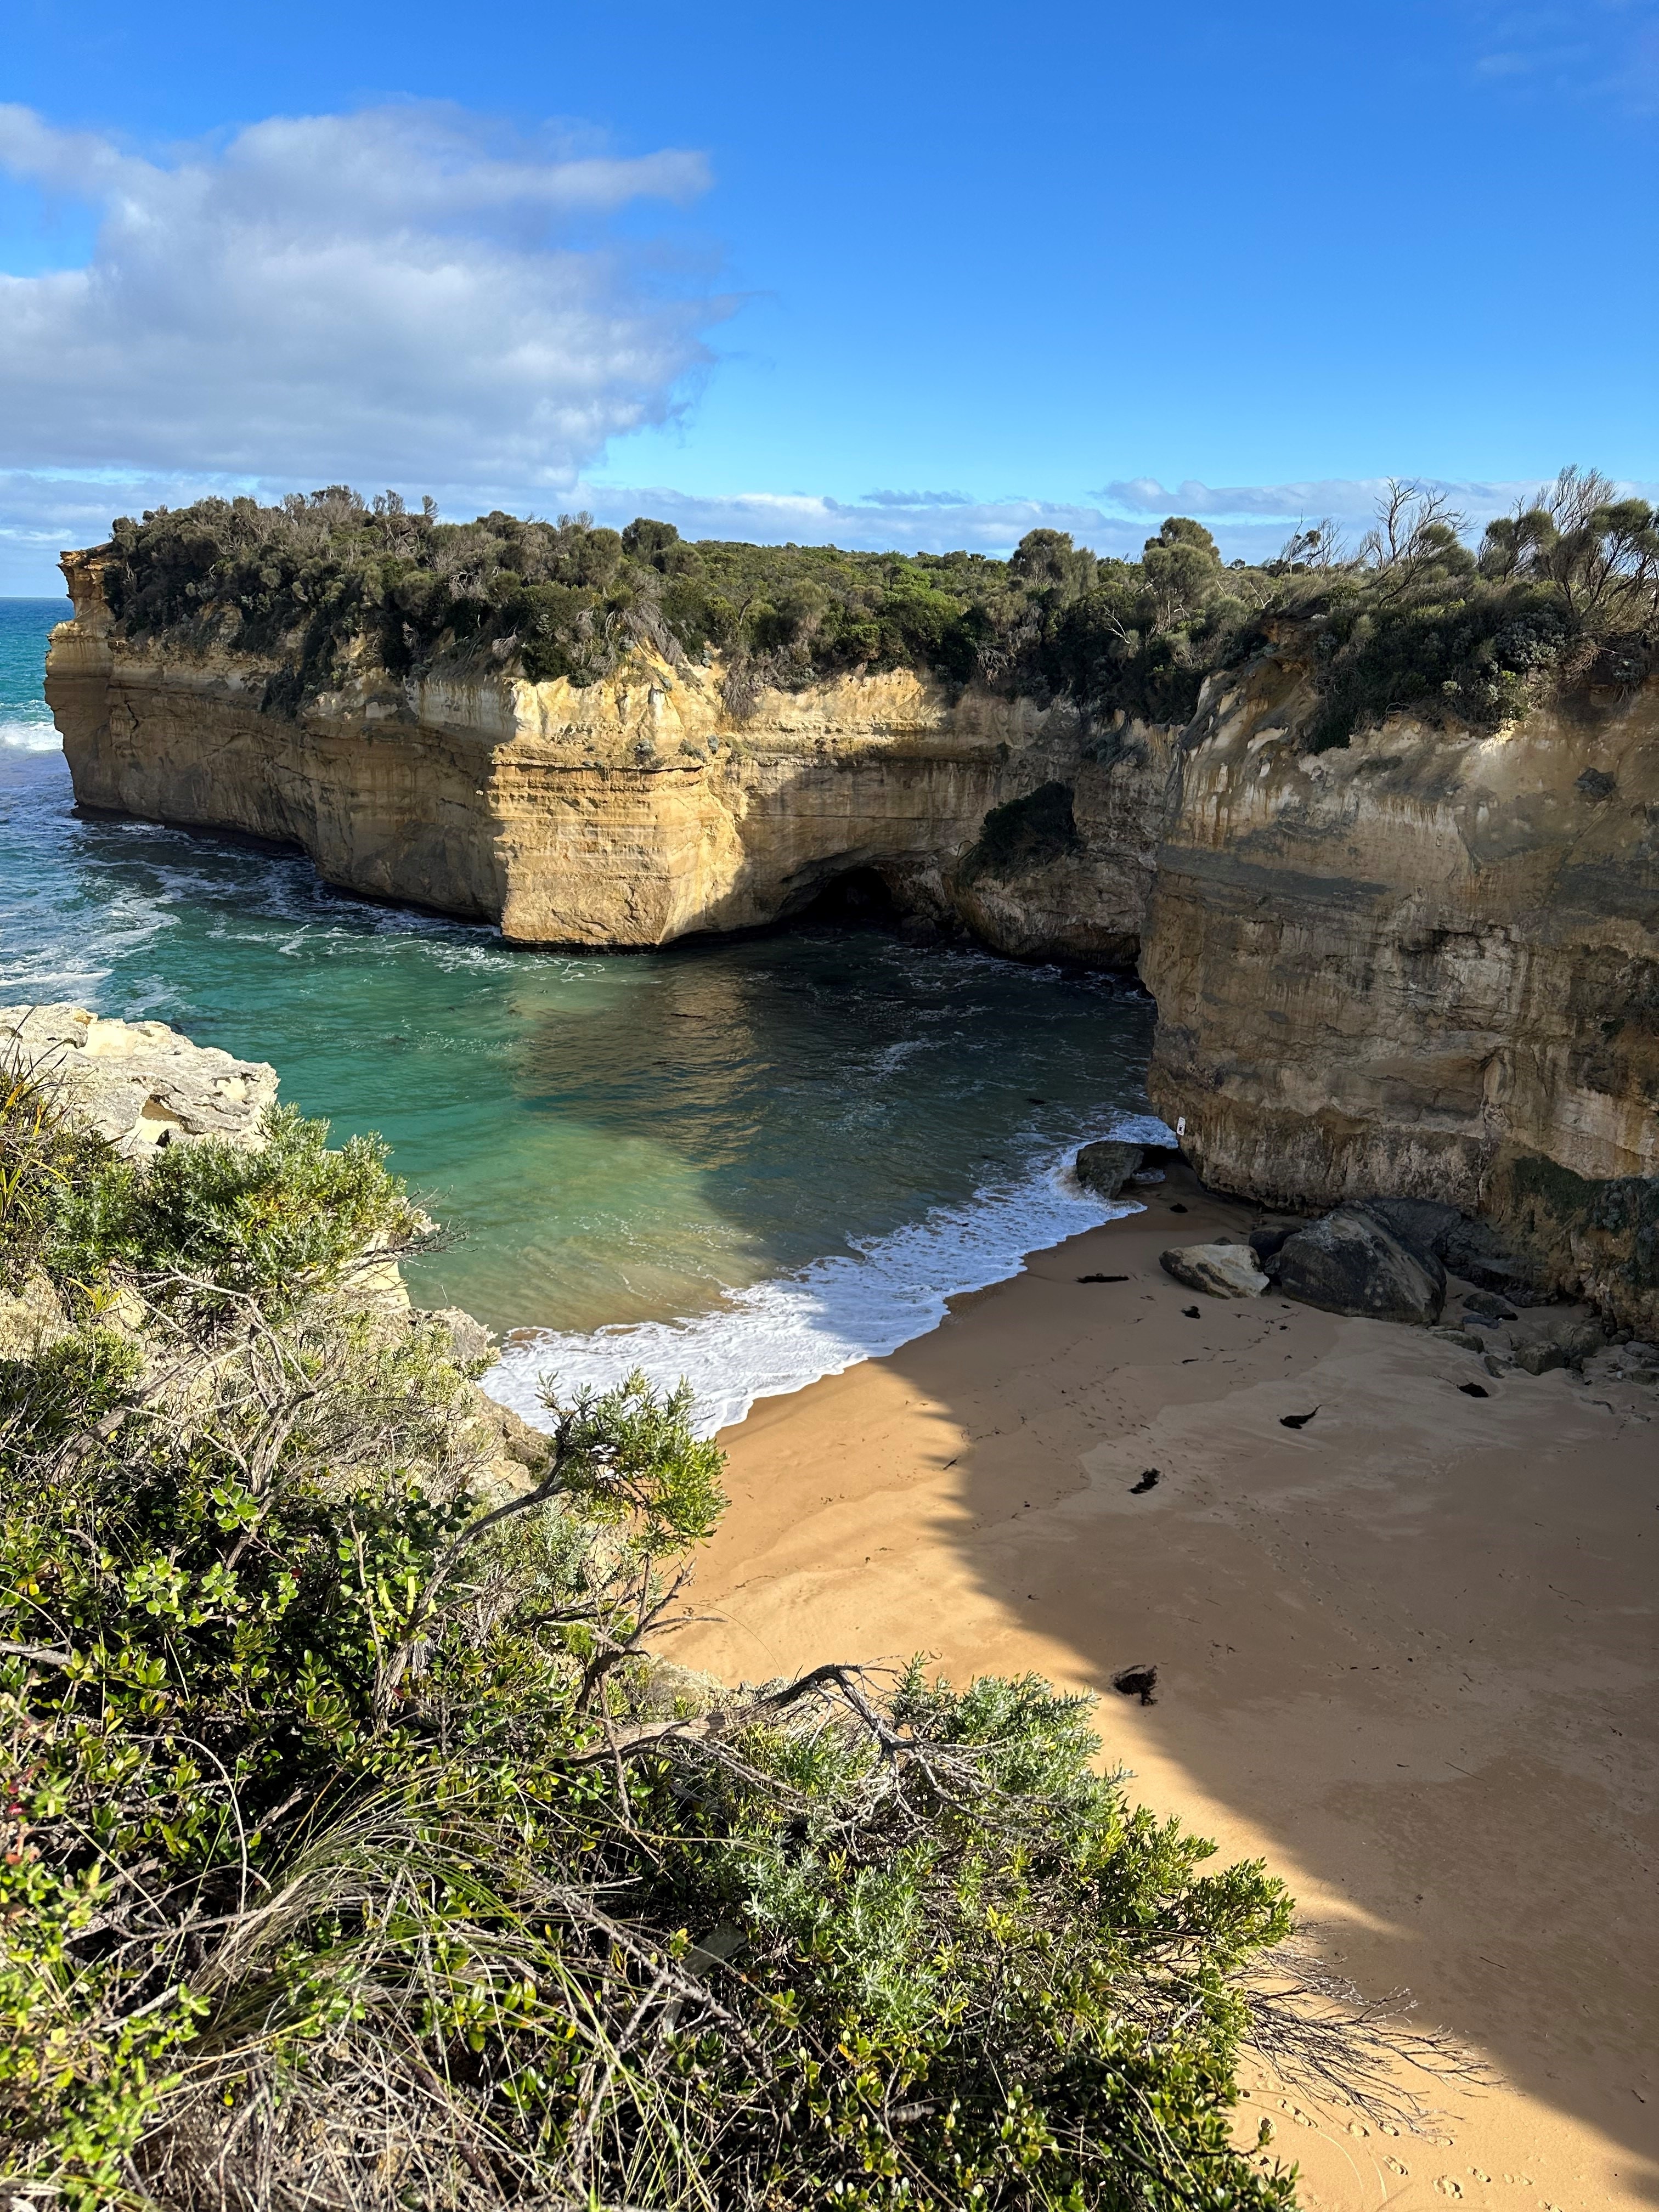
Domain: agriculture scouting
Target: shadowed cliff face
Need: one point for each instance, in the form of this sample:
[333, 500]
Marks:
[1424, 964]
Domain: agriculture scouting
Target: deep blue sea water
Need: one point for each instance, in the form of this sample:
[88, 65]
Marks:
[751, 1163]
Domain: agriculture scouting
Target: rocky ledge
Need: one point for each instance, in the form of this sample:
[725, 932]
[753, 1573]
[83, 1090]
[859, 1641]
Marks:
[140, 1084]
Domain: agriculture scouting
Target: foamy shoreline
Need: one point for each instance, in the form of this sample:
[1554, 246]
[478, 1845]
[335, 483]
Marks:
[777, 1336]
[29, 736]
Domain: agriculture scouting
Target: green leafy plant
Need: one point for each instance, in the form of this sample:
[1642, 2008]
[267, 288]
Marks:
[1561, 594]
[361, 1851]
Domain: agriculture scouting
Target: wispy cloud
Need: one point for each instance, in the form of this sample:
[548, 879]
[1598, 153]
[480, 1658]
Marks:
[404, 292]
[1604, 51]
[916, 499]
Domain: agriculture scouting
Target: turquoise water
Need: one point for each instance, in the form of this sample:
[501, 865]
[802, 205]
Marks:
[752, 1163]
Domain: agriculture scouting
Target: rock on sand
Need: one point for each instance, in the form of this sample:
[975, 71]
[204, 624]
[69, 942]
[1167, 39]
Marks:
[1223, 1271]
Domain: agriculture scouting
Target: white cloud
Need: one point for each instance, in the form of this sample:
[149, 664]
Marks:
[400, 295]
[882, 521]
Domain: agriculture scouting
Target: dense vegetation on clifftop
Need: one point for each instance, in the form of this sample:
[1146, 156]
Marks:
[1563, 593]
[357, 1856]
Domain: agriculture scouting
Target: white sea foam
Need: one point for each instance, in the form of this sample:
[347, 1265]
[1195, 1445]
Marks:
[28, 733]
[776, 1336]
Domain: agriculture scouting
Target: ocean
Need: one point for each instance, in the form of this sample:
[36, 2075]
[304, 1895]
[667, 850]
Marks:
[748, 1163]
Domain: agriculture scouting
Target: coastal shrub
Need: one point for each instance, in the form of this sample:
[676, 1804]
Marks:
[219, 1217]
[359, 1853]
[1561, 594]
[326, 583]
[206, 1220]
[46, 1157]
[1565, 591]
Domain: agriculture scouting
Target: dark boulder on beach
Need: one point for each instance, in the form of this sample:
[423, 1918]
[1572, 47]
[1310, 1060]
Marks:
[1421, 1225]
[1476, 1252]
[1267, 1244]
[1350, 1263]
[1105, 1166]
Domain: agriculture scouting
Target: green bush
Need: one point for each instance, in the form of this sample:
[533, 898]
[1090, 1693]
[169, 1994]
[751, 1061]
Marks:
[292, 1213]
[359, 1854]
[207, 1221]
[45, 1160]
[316, 583]
[1562, 593]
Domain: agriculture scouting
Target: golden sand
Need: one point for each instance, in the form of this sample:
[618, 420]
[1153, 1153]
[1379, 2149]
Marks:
[1408, 1653]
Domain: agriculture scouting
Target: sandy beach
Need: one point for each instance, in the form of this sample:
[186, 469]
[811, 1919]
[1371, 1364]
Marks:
[1406, 1653]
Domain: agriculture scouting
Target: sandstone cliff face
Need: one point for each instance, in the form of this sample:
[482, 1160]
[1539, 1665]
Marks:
[632, 812]
[1425, 964]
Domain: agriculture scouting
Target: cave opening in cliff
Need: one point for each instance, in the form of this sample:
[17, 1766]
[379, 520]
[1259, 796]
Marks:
[858, 898]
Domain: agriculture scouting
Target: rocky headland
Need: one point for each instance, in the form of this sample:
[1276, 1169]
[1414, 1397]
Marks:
[1422, 963]
[630, 811]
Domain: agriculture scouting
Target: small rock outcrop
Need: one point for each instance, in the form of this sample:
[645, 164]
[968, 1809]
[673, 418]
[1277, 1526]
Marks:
[1105, 1166]
[1220, 1271]
[1634, 1362]
[1349, 1263]
[472, 1344]
[1559, 1340]
[138, 1083]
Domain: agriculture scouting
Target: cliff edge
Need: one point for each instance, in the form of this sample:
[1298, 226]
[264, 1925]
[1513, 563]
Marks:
[1422, 961]
[637, 809]
[1425, 964]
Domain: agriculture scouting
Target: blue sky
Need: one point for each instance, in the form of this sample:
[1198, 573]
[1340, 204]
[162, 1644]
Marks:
[916, 275]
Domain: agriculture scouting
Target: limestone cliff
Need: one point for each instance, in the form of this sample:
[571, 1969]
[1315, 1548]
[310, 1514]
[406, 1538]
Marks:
[636, 809]
[1426, 964]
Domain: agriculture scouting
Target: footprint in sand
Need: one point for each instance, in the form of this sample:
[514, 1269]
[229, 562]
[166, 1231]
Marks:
[1448, 2187]
[1387, 2127]
[1297, 2113]
[1520, 2180]
[1478, 2176]
[1395, 2166]
[1358, 2128]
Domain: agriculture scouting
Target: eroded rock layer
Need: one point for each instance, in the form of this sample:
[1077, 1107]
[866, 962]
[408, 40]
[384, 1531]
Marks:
[638, 809]
[1425, 964]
